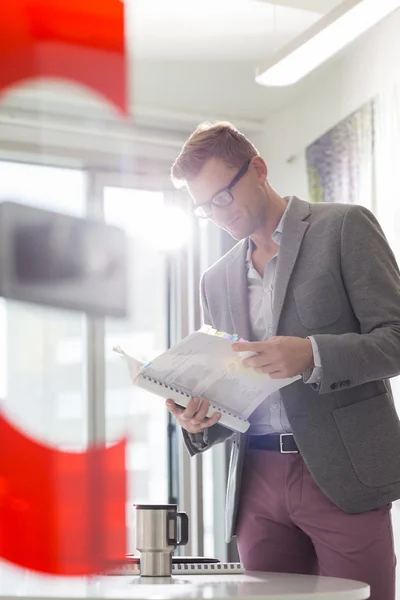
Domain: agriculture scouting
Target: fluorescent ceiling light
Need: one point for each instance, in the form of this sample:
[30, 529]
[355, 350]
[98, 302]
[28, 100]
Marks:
[320, 42]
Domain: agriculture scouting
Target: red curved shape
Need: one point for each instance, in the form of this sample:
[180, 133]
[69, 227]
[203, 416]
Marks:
[81, 40]
[61, 513]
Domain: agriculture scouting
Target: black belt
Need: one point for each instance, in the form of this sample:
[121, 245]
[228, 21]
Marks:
[278, 442]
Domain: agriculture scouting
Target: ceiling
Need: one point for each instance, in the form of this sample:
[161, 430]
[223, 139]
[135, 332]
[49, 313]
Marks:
[202, 56]
[189, 61]
[229, 30]
[319, 6]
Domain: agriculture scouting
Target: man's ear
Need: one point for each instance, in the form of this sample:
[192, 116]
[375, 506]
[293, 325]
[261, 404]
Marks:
[260, 167]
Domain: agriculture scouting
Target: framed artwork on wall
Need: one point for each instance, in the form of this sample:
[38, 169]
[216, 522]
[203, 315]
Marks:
[340, 164]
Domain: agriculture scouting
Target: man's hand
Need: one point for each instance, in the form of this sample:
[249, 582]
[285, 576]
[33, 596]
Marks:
[280, 357]
[193, 417]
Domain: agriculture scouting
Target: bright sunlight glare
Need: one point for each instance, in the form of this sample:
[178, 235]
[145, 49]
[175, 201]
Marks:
[173, 229]
[143, 214]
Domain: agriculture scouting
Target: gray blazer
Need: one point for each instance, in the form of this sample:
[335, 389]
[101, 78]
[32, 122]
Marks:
[337, 280]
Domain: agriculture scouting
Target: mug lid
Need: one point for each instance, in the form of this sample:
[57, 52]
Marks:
[156, 506]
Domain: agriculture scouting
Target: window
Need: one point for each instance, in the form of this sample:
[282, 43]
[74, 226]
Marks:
[43, 369]
[42, 349]
[129, 410]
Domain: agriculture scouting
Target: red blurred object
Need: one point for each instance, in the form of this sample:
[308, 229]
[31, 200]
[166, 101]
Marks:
[61, 513]
[82, 40]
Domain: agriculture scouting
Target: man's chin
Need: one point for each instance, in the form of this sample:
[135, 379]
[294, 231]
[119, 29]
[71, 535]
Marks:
[237, 236]
[238, 233]
[235, 230]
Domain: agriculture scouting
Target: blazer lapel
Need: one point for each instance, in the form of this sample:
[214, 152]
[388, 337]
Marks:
[236, 273]
[292, 236]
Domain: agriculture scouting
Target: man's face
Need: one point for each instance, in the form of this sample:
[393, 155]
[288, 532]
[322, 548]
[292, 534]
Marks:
[246, 213]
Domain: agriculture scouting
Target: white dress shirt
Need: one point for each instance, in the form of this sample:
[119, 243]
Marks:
[270, 416]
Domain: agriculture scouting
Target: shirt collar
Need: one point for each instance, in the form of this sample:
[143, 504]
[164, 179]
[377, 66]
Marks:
[276, 236]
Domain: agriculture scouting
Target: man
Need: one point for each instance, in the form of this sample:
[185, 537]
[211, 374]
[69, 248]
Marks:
[316, 289]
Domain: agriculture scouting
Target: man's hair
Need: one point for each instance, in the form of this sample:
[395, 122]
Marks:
[211, 140]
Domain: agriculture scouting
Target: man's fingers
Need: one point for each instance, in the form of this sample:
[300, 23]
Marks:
[191, 409]
[173, 408]
[272, 372]
[211, 421]
[201, 413]
[248, 346]
[278, 375]
[198, 422]
[170, 404]
[266, 369]
[259, 360]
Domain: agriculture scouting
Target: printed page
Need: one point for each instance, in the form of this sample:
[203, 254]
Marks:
[134, 365]
[205, 365]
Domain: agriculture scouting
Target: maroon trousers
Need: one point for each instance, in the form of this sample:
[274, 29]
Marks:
[287, 525]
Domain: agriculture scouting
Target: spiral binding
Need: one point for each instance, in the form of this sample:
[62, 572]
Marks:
[184, 568]
[173, 389]
[166, 386]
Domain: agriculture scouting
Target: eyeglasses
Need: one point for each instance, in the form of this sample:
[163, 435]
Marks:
[222, 199]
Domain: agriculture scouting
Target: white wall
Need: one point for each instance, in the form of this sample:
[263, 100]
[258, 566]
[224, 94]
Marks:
[369, 65]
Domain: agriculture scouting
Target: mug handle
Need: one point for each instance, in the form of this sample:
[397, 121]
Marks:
[184, 529]
[172, 517]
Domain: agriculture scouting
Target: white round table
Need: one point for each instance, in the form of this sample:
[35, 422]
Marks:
[249, 586]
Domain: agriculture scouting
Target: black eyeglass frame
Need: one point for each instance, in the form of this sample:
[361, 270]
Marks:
[226, 190]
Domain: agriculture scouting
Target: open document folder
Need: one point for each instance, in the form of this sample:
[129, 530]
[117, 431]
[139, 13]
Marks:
[204, 365]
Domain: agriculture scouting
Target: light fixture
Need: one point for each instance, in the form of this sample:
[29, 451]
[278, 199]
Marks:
[324, 39]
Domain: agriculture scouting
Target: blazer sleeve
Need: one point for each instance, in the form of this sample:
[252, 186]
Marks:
[199, 442]
[372, 281]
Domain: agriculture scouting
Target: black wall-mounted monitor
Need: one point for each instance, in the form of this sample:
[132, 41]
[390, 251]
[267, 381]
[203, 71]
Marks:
[62, 261]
